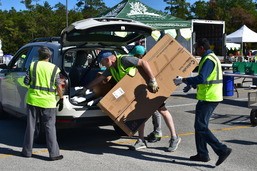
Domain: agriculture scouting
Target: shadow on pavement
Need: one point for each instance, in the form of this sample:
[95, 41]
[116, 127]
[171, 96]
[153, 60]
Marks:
[242, 142]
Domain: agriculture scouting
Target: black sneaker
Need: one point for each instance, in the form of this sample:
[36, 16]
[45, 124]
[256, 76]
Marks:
[23, 155]
[152, 138]
[56, 158]
[223, 157]
[199, 158]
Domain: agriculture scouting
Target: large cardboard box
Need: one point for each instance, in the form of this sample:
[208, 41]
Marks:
[129, 103]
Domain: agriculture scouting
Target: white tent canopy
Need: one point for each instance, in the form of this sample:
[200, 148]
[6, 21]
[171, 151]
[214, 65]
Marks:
[233, 46]
[242, 35]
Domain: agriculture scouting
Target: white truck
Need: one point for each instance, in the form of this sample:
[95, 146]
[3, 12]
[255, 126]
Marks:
[214, 31]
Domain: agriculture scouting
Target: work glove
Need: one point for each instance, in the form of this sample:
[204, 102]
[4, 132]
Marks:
[153, 86]
[60, 103]
[178, 80]
[187, 88]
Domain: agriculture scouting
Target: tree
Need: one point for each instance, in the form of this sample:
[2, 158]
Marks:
[234, 12]
[199, 10]
[178, 8]
[91, 8]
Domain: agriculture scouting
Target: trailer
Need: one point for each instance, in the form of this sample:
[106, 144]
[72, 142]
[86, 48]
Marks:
[214, 31]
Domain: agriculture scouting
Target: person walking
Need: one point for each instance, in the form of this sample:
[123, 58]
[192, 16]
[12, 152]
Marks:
[43, 79]
[139, 51]
[209, 94]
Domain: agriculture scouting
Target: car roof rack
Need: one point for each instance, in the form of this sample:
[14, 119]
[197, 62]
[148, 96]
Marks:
[46, 39]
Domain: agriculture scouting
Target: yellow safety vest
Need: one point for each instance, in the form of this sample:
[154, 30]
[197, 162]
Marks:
[119, 72]
[211, 89]
[42, 90]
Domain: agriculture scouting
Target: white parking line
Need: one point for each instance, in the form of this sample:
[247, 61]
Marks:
[188, 104]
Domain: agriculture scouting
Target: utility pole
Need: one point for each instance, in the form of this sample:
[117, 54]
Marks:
[67, 21]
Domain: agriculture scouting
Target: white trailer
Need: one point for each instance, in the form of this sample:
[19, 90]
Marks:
[214, 31]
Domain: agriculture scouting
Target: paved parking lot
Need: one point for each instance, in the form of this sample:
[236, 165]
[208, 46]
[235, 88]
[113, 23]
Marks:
[101, 149]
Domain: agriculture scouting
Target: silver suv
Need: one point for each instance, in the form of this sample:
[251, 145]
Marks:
[90, 35]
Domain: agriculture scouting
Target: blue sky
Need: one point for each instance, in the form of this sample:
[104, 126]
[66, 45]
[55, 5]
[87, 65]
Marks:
[7, 4]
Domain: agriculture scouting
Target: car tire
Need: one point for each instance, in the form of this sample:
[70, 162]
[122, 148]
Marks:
[3, 114]
[39, 135]
[119, 131]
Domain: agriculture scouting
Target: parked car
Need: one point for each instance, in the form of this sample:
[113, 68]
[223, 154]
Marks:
[91, 35]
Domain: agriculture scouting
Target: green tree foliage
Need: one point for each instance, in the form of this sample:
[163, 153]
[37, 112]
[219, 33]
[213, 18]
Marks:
[234, 12]
[20, 27]
[91, 8]
[178, 8]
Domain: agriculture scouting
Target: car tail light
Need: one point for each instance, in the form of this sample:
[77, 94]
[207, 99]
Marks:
[64, 120]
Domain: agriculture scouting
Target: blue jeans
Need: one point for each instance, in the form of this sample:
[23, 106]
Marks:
[203, 135]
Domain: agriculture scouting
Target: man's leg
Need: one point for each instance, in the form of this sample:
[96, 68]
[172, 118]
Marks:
[156, 135]
[140, 143]
[174, 140]
[168, 120]
[157, 121]
[49, 118]
[30, 129]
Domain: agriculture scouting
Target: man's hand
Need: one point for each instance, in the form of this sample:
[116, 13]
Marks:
[178, 80]
[60, 103]
[153, 86]
[186, 89]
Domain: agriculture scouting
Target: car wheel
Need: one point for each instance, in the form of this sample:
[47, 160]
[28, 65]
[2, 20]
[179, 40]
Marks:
[39, 136]
[3, 114]
[253, 117]
[119, 131]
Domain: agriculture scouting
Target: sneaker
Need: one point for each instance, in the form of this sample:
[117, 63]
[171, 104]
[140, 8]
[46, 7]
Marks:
[199, 158]
[174, 144]
[153, 137]
[23, 155]
[223, 157]
[140, 144]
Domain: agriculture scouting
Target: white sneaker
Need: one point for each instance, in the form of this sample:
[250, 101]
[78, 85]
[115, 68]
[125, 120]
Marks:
[174, 144]
[140, 144]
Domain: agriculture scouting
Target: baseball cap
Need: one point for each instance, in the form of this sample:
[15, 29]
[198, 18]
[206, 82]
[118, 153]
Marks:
[202, 42]
[137, 50]
[103, 54]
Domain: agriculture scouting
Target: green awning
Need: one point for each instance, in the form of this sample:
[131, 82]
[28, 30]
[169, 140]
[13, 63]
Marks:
[135, 10]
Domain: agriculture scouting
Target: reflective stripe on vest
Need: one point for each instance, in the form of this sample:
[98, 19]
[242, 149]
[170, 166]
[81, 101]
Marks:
[34, 78]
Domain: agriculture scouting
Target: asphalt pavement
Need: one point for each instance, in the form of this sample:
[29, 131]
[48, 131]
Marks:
[101, 149]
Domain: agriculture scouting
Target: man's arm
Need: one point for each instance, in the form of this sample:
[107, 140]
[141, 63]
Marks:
[26, 80]
[203, 75]
[58, 83]
[152, 83]
[145, 65]
[96, 81]
[59, 91]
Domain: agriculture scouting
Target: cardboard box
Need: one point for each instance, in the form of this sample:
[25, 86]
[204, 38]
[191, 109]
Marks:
[129, 103]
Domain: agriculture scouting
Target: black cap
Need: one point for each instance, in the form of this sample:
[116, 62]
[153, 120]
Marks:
[202, 42]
